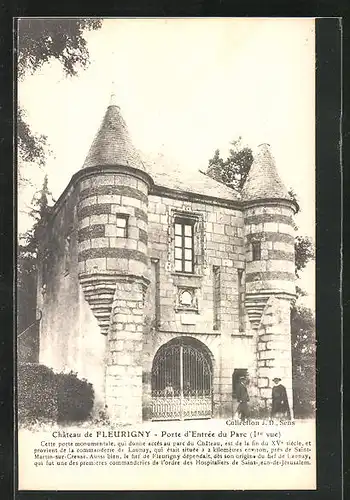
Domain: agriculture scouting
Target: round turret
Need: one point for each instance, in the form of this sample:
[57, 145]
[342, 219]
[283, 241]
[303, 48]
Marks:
[270, 271]
[269, 233]
[112, 217]
[112, 214]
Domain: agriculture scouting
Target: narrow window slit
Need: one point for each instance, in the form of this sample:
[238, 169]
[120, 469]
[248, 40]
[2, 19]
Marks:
[241, 299]
[216, 297]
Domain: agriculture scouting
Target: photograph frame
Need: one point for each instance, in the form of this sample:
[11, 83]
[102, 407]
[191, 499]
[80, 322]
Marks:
[326, 96]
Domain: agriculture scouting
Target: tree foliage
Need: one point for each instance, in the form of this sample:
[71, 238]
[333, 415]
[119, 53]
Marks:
[304, 252]
[27, 274]
[39, 41]
[40, 212]
[304, 360]
[31, 147]
[294, 197]
[46, 396]
[234, 170]
[62, 39]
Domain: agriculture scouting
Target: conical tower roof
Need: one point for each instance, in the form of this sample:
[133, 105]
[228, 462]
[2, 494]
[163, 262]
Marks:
[112, 144]
[263, 180]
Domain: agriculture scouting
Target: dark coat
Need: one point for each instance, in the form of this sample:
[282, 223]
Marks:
[242, 393]
[280, 401]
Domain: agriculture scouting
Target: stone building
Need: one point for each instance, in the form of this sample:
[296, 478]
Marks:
[162, 289]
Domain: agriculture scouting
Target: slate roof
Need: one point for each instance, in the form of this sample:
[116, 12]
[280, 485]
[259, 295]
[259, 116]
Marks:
[112, 144]
[170, 175]
[263, 180]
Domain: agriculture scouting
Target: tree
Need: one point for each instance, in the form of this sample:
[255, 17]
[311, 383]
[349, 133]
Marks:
[304, 359]
[294, 197]
[31, 147]
[27, 273]
[63, 39]
[39, 41]
[304, 252]
[234, 170]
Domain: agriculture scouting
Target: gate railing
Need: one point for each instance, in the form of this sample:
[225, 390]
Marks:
[181, 384]
[181, 408]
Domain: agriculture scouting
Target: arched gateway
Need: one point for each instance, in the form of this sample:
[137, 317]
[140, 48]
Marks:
[182, 375]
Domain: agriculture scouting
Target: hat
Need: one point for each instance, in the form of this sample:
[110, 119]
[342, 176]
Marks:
[276, 379]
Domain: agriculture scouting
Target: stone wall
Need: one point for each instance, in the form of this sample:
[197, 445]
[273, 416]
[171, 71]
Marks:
[274, 349]
[274, 228]
[102, 197]
[270, 287]
[113, 265]
[69, 333]
[221, 230]
[96, 282]
[106, 199]
[124, 363]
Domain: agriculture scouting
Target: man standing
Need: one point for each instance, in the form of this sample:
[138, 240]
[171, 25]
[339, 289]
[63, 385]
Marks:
[280, 405]
[242, 398]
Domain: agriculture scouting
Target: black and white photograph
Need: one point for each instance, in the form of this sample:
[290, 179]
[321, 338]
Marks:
[166, 253]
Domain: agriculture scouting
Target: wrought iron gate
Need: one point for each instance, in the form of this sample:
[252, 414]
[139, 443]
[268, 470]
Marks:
[181, 383]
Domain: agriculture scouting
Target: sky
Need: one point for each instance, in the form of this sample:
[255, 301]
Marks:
[185, 88]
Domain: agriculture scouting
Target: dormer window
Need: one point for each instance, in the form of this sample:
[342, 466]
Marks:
[122, 226]
[184, 245]
[256, 250]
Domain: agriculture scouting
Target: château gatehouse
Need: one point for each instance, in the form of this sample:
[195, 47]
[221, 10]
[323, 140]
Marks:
[160, 289]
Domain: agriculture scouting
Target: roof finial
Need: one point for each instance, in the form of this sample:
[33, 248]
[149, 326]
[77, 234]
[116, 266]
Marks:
[113, 99]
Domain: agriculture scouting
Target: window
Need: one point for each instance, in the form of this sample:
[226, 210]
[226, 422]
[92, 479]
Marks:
[241, 299]
[216, 297]
[186, 298]
[154, 290]
[67, 254]
[256, 248]
[46, 261]
[122, 226]
[184, 245]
